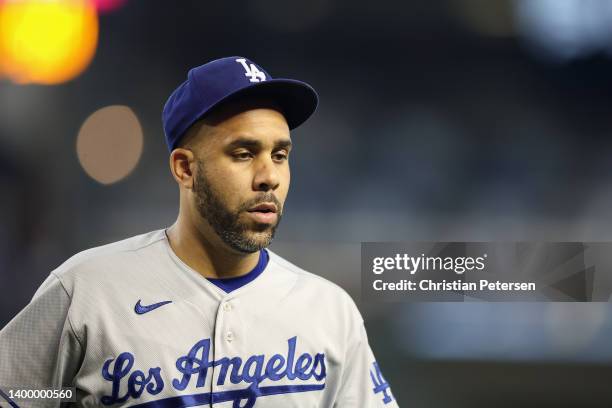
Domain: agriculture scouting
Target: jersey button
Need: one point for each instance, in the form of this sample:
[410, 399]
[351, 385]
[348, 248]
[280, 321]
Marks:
[227, 307]
[229, 336]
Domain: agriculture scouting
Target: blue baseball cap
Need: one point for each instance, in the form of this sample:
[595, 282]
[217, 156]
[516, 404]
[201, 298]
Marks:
[222, 80]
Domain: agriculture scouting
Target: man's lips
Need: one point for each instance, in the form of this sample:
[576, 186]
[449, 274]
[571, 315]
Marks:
[264, 207]
[265, 213]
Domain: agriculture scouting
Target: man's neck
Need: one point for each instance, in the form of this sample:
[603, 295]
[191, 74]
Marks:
[209, 259]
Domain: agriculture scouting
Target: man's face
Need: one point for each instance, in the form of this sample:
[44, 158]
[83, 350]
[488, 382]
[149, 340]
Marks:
[242, 176]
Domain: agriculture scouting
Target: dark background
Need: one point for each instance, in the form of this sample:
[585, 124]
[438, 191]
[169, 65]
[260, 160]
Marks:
[442, 120]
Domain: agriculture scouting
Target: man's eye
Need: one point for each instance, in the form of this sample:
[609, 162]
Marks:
[242, 155]
[280, 156]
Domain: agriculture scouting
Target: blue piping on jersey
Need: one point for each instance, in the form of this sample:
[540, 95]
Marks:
[6, 397]
[249, 394]
[230, 284]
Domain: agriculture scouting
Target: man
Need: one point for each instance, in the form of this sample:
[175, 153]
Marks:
[201, 313]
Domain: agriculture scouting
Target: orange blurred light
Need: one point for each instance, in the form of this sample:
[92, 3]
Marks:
[46, 41]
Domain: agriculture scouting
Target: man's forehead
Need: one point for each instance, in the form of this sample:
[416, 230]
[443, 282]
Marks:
[248, 108]
[241, 119]
[254, 123]
[253, 120]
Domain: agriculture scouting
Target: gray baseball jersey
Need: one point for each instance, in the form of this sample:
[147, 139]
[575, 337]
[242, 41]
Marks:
[129, 324]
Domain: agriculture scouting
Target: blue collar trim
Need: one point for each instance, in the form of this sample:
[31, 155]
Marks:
[230, 284]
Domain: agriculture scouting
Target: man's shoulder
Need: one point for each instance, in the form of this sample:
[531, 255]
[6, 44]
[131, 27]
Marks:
[310, 282]
[105, 255]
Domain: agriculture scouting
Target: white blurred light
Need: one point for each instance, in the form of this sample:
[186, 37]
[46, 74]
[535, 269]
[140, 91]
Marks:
[110, 143]
[18, 105]
[574, 326]
[565, 29]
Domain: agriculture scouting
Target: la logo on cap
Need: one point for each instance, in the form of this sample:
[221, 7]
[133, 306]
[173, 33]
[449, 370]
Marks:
[213, 83]
[251, 71]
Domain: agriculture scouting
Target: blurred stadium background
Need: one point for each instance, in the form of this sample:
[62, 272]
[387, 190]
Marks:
[446, 120]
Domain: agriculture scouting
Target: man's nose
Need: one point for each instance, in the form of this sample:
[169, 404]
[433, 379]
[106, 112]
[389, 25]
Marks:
[266, 176]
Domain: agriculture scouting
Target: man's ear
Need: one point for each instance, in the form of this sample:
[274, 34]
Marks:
[181, 165]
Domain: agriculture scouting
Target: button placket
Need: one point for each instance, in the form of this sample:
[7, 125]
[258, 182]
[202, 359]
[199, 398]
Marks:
[226, 308]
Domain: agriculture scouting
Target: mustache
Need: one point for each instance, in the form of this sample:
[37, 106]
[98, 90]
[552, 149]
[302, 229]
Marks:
[260, 199]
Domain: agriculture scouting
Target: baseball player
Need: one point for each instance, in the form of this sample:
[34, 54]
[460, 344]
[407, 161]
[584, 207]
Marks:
[201, 313]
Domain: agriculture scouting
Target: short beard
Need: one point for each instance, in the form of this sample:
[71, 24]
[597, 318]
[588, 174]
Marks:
[226, 223]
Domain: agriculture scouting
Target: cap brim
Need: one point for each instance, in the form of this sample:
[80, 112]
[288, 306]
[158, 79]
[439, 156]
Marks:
[297, 99]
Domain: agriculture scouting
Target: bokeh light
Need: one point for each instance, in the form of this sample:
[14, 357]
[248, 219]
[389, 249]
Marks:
[573, 327]
[109, 144]
[46, 41]
[107, 6]
[565, 30]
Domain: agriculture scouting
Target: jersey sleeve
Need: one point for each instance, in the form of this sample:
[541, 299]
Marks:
[363, 384]
[38, 348]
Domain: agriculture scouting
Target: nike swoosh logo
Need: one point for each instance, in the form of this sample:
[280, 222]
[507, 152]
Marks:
[140, 309]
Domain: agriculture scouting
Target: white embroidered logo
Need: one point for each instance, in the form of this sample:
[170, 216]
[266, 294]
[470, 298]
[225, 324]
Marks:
[251, 71]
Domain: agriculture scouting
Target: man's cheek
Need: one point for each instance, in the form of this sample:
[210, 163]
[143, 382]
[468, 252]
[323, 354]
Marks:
[228, 193]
